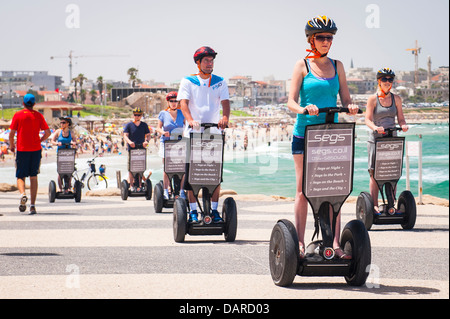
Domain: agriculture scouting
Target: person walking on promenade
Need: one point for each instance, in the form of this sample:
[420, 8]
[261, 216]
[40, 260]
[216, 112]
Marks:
[136, 134]
[201, 96]
[168, 120]
[63, 138]
[316, 81]
[381, 110]
[28, 123]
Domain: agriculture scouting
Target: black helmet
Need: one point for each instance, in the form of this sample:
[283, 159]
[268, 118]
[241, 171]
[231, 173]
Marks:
[385, 72]
[68, 119]
[320, 24]
[202, 52]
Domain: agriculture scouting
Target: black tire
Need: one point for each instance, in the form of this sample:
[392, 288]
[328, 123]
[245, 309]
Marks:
[51, 191]
[356, 242]
[229, 215]
[179, 220]
[283, 254]
[97, 181]
[407, 205]
[148, 189]
[78, 187]
[158, 198]
[364, 209]
[124, 186]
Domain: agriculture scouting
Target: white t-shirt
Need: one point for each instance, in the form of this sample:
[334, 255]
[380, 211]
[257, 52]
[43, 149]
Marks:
[204, 102]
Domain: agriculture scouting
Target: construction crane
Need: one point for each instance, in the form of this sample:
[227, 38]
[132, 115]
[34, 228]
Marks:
[71, 57]
[416, 52]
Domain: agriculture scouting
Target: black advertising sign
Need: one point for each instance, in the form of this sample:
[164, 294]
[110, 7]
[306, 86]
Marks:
[65, 162]
[328, 166]
[138, 160]
[389, 158]
[206, 156]
[174, 156]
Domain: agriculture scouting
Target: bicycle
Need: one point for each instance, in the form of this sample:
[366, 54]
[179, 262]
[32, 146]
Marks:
[94, 180]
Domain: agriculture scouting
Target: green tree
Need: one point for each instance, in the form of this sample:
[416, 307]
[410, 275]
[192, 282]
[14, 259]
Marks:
[132, 73]
[100, 87]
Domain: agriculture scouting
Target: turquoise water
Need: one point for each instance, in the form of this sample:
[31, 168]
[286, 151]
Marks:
[270, 169]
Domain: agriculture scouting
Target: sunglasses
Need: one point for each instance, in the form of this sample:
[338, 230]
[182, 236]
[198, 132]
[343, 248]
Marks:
[137, 114]
[322, 38]
[173, 101]
[62, 122]
[385, 79]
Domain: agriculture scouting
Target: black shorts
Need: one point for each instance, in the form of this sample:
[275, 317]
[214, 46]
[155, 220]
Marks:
[298, 145]
[28, 163]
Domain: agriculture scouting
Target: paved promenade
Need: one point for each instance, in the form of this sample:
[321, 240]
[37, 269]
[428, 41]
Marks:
[104, 247]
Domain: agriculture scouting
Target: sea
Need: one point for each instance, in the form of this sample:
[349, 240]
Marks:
[267, 167]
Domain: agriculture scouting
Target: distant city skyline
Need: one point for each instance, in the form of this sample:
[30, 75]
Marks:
[259, 38]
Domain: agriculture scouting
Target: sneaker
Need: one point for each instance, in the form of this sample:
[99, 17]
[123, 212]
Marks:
[166, 194]
[193, 217]
[216, 217]
[23, 201]
[32, 210]
[182, 194]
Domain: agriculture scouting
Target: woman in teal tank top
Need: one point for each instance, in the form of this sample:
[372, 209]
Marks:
[317, 81]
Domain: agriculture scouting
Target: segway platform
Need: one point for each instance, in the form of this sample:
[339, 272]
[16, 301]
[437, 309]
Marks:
[137, 164]
[388, 168]
[65, 165]
[327, 182]
[205, 173]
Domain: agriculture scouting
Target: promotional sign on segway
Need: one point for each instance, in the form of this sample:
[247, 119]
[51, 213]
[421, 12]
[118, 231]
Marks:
[328, 165]
[389, 150]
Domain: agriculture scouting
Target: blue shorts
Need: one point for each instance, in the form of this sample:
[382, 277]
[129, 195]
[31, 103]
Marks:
[28, 163]
[298, 145]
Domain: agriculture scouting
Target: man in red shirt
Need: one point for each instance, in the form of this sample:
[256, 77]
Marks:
[28, 123]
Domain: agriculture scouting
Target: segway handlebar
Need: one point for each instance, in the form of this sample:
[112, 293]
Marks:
[390, 130]
[208, 125]
[334, 109]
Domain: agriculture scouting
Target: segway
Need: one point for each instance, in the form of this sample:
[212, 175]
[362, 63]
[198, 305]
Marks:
[137, 164]
[205, 159]
[389, 151]
[65, 165]
[327, 182]
[174, 167]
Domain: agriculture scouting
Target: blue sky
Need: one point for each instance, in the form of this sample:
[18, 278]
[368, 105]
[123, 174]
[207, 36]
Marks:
[252, 37]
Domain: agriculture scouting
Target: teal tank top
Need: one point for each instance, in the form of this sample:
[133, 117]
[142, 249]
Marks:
[321, 92]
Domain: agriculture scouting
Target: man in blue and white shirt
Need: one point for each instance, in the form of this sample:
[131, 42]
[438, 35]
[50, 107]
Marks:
[201, 96]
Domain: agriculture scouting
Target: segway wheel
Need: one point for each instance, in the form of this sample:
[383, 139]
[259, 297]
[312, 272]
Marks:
[78, 186]
[124, 186]
[356, 242]
[283, 253]
[364, 209]
[158, 198]
[229, 214]
[148, 189]
[179, 220]
[407, 204]
[51, 191]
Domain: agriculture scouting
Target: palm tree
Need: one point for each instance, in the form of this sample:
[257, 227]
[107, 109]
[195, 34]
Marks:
[81, 80]
[100, 87]
[132, 72]
[75, 82]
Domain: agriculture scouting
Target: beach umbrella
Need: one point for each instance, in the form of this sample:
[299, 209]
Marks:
[4, 136]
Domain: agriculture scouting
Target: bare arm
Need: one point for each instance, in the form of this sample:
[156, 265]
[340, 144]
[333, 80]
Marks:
[344, 92]
[223, 123]
[400, 116]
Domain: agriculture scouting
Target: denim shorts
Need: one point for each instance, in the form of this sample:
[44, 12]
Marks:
[28, 163]
[298, 145]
